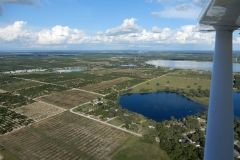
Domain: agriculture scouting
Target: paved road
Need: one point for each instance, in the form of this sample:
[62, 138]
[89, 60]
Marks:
[88, 91]
[71, 110]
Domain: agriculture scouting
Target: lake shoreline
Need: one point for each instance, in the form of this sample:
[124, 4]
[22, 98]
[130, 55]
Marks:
[168, 104]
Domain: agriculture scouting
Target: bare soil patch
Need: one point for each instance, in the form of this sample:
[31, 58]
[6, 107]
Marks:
[64, 136]
[69, 99]
[39, 110]
[2, 91]
[105, 84]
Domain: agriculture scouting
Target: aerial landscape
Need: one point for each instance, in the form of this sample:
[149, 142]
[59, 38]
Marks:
[62, 106]
[119, 80]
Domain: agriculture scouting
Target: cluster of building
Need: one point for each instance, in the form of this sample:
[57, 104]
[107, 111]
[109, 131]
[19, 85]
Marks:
[25, 71]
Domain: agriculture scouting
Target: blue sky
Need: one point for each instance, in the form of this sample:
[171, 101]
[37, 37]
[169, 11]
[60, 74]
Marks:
[108, 24]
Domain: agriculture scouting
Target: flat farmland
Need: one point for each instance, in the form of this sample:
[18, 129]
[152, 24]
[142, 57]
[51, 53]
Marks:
[105, 84]
[69, 99]
[17, 84]
[64, 136]
[136, 71]
[39, 110]
[174, 82]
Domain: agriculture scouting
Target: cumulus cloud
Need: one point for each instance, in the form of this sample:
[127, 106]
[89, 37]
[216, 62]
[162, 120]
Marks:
[14, 32]
[127, 27]
[236, 41]
[56, 35]
[156, 30]
[59, 36]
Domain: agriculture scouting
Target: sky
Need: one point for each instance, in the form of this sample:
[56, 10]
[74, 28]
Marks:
[104, 25]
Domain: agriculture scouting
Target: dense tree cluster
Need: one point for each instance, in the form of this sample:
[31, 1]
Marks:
[170, 132]
[237, 82]
[13, 100]
[192, 92]
[41, 90]
[10, 119]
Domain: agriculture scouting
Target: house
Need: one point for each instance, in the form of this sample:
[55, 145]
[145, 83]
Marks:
[201, 120]
[184, 140]
[168, 126]
[198, 146]
[152, 127]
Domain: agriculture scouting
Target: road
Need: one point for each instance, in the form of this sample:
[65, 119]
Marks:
[149, 80]
[119, 128]
[38, 81]
[59, 85]
[88, 91]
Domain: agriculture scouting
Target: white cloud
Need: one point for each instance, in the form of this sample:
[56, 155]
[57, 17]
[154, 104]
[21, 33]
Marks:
[99, 33]
[237, 41]
[156, 30]
[188, 35]
[127, 27]
[59, 36]
[14, 32]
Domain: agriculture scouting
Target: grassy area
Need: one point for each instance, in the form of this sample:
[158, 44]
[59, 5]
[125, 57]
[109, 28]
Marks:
[134, 149]
[116, 122]
[175, 82]
[105, 84]
[7, 155]
[84, 108]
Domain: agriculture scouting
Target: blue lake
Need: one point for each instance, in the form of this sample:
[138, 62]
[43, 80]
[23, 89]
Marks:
[161, 106]
[189, 65]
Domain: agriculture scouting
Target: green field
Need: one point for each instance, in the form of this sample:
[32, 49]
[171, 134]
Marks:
[116, 122]
[55, 135]
[135, 149]
[174, 82]
[7, 155]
